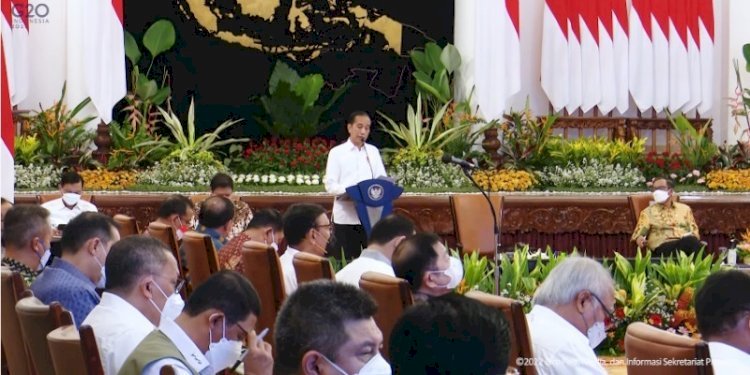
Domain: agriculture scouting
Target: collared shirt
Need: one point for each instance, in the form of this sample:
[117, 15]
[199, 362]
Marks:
[230, 256]
[217, 238]
[118, 327]
[349, 165]
[559, 347]
[64, 283]
[662, 223]
[287, 269]
[59, 214]
[727, 359]
[195, 358]
[242, 216]
[27, 274]
[369, 260]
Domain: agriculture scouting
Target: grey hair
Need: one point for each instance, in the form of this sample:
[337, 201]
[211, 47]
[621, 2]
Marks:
[572, 276]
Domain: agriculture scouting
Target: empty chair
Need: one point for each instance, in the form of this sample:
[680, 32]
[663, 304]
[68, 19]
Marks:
[166, 234]
[37, 321]
[520, 340]
[392, 295]
[14, 346]
[126, 225]
[201, 258]
[309, 267]
[65, 350]
[262, 268]
[473, 224]
[644, 343]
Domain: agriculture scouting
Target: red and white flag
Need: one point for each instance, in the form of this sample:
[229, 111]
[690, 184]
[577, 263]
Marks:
[555, 77]
[620, 47]
[679, 72]
[607, 57]
[706, 45]
[20, 58]
[660, 44]
[641, 55]
[694, 57]
[591, 85]
[496, 68]
[575, 89]
[7, 129]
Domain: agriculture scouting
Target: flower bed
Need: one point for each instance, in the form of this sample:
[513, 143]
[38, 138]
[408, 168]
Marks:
[504, 180]
[729, 179]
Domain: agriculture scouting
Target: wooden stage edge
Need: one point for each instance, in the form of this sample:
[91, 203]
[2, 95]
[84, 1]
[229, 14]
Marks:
[595, 223]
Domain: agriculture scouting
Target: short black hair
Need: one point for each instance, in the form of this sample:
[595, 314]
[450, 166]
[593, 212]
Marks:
[221, 180]
[215, 212]
[267, 217]
[413, 256]
[721, 302]
[450, 334]
[669, 181]
[133, 257]
[22, 223]
[70, 177]
[390, 227]
[299, 218]
[353, 116]
[228, 292]
[84, 227]
[313, 318]
[175, 204]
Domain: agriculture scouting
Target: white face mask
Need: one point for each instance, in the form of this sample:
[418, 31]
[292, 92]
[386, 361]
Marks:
[455, 273]
[71, 199]
[102, 280]
[173, 307]
[596, 334]
[225, 353]
[273, 244]
[660, 196]
[377, 365]
[44, 258]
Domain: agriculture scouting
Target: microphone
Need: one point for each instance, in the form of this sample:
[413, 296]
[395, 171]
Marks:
[450, 159]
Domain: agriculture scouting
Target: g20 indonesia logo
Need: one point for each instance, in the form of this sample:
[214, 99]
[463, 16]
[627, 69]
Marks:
[36, 13]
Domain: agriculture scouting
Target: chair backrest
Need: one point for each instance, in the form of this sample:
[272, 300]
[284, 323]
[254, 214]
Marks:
[473, 224]
[310, 267]
[520, 340]
[202, 260]
[392, 295]
[198, 198]
[126, 225]
[37, 320]
[90, 350]
[44, 198]
[637, 204]
[14, 346]
[166, 234]
[263, 269]
[65, 350]
[644, 342]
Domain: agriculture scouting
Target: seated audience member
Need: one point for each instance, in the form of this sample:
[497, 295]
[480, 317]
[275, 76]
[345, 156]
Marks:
[450, 334]
[423, 261]
[384, 237]
[222, 185]
[722, 306]
[265, 226]
[27, 237]
[5, 205]
[215, 220]
[327, 328]
[306, 229]
[567, 320]
[70, 205]
[176, 211]
[73, 278]
[207, 336]
[667, 225]
[142, 278]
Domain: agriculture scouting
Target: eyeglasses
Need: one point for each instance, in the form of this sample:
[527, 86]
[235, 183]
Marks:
[610, 314]
[178, 284]
[329, 226]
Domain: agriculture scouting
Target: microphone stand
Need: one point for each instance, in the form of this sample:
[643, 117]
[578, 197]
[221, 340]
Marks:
[495, 227]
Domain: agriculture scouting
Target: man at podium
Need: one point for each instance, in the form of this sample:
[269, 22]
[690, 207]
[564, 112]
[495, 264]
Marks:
[348, 164]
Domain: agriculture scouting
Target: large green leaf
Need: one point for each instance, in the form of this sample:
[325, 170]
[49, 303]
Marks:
[159, 37]
[433, 52]
[746, 53]
[131, 49]
[145, 88]
[282, 72]
[419, 59]
[442, 85]
[451, 58]
[309, 89]
[161, 95]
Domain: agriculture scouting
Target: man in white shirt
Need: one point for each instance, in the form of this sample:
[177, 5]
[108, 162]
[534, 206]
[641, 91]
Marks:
[423, 261]
[349, 164]
[207, 336]
[722, 306]
[306, 229]
[70, 205]
[567, 320]
[141, 276]
[385, 236]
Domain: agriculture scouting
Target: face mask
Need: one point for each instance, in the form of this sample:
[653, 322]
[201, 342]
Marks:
[71, 199]
[173, 307]
[377, 365]
[225, 353]
[44, 258]
[102, 280]
[455, 273]
[180, 232]
[274, 245]
[596, 334]
[661, 196]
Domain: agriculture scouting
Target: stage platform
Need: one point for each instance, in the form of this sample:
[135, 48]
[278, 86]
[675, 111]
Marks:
[595, 223]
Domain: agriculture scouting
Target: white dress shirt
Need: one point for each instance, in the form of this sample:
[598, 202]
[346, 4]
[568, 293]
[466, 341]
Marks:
[59, 214]
[727, 359]
[349, 165]
[187, 348]
[287, 269]
[369, 260]
[119, 328]
[559, 347]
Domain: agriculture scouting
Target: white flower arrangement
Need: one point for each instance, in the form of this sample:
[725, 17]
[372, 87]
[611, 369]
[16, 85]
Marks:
[39, 177]
[591, 174]
[276, 179]
[430, 174]
[177, 172]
